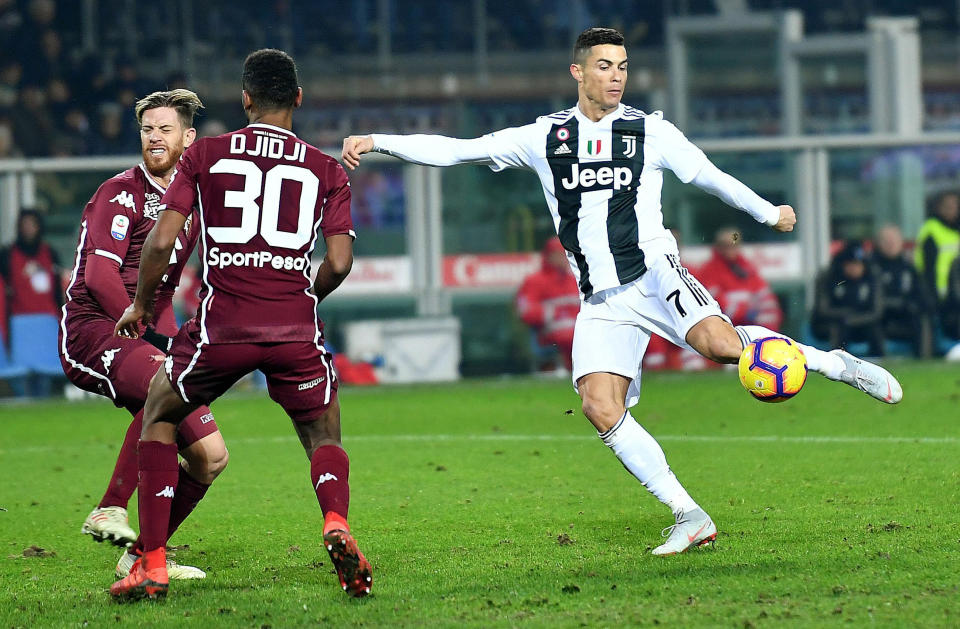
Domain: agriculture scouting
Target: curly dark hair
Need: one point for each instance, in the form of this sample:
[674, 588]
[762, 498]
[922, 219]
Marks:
[270, 79]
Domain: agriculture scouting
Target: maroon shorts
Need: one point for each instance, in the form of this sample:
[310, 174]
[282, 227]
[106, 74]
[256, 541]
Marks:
[300, 374]
[119, 368]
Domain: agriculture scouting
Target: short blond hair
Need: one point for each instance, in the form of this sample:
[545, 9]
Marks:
[186, 103]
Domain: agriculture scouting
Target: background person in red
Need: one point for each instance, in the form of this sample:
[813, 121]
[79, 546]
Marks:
[549, 300]
[31, 268]
[263, 194]
[113, 227]
[743, 294]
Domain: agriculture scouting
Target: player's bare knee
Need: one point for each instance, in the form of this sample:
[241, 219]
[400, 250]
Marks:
[205, 459]
[715, 339]
[215, 465]
[724, 349]
[602, 412]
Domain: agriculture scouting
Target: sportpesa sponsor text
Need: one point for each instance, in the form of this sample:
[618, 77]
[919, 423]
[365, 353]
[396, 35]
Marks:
[258, 259]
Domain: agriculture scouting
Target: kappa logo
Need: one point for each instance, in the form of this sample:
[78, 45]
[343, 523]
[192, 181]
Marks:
[309, 385]
[630, 145]
[107, 358]
[324, 478]
[126, 200]
[166, 492]
[563, 149]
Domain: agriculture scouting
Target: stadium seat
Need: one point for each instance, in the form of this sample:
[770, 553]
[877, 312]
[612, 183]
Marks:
[7, 368]
[33, 343]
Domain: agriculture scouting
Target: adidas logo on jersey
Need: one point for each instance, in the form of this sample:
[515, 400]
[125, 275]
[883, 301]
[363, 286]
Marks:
[589, 177]
[324, 478]
[166, 492]
[126, 200]
[563, 149]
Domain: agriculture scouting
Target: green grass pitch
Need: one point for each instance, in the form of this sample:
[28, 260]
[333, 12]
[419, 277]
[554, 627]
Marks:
[492, 503]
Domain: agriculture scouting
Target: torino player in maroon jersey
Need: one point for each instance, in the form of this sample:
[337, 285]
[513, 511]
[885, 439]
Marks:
[262, 195]
[113, 228]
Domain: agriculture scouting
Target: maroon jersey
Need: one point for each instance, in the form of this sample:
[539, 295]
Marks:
[115, 224]
[262, 194]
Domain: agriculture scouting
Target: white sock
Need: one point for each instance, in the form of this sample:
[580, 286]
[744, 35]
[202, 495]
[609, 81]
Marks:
[825, 363]
[643, 457]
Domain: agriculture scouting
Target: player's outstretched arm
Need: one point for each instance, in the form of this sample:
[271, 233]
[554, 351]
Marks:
[154, 259]
[426, 150]
[736, 194]
[787, 219]
[353, 147]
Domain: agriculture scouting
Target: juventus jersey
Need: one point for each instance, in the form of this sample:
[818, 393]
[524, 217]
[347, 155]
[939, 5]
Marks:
[601, 180]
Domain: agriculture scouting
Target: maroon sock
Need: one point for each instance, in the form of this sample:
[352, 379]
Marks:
[330, 471]
[190, 491]
[158, 486]
[124, 480]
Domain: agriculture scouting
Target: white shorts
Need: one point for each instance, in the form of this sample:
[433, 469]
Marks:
[614, 326]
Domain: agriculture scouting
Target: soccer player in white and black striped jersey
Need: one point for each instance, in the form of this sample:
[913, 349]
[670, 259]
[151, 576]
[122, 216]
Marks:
[601, 167]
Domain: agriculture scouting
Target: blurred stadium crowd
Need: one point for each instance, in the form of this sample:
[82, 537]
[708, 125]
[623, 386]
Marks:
[69, 71]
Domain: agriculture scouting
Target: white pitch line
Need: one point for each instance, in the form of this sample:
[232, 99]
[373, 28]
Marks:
[440, 438]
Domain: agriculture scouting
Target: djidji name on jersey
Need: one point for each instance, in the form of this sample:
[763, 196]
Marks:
[588, 177]
[269, 145]
[257, 259]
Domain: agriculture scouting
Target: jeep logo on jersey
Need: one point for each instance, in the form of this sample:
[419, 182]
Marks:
[125, 199]
[604, 176]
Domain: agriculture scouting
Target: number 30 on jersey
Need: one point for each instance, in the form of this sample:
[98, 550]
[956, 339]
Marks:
[265, 220]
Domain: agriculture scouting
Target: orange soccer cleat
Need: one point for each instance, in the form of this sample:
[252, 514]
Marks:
[147, 578]
[353, 569]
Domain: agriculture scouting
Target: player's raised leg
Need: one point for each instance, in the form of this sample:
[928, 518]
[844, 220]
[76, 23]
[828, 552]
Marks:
[716, 339]
[329, 474]
[204, 457]
[603, 396]
[159, 477]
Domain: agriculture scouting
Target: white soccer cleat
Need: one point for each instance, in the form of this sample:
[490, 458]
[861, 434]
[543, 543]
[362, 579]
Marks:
[872, 379]
[174, 570]
[692, 529]
[110, 524]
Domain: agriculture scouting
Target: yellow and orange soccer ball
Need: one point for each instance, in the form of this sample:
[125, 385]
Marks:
[772, 369]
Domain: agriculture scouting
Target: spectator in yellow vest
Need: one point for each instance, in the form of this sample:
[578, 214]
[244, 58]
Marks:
[938, 244]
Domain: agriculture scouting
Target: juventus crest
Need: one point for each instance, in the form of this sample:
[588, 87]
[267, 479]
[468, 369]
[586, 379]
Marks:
[630, 145]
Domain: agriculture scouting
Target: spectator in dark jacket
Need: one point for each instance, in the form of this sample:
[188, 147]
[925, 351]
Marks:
[907, 307]
[849, 302]
[951, 313]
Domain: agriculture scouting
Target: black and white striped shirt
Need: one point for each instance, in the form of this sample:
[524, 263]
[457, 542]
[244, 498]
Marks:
[601, 180]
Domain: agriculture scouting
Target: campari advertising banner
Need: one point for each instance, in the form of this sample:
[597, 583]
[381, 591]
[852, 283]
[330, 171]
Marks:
[382, 275]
